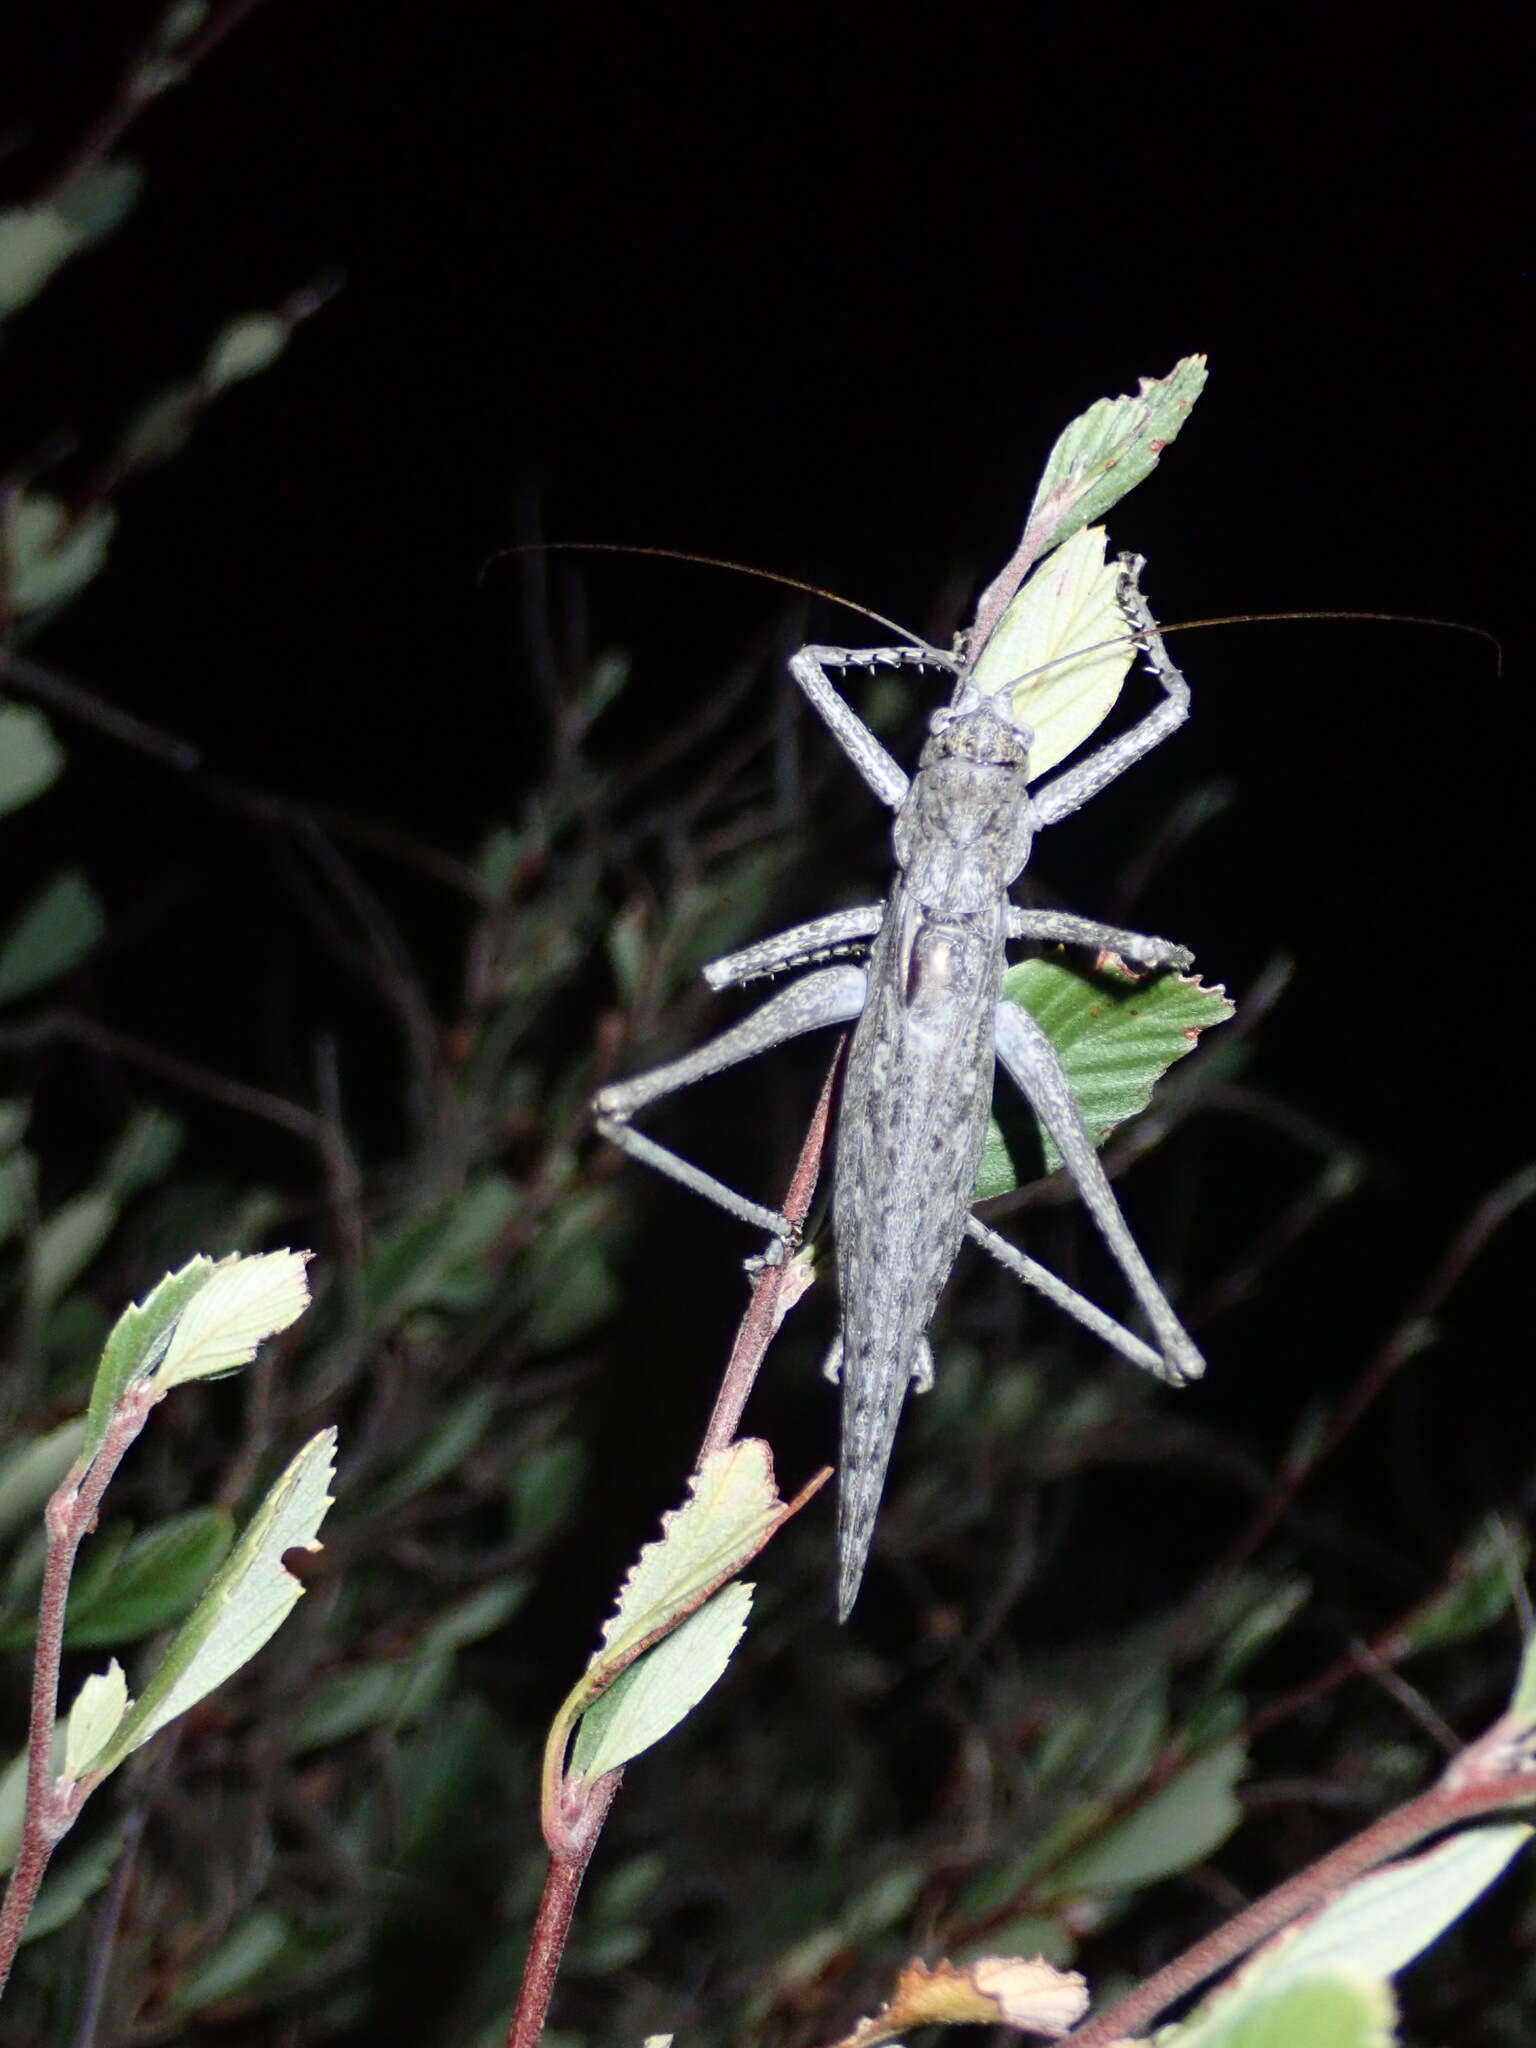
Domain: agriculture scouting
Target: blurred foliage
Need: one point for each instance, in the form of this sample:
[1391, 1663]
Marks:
[1033, 1720]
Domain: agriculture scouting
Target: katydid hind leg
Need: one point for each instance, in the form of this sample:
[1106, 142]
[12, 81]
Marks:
[1032, 1061]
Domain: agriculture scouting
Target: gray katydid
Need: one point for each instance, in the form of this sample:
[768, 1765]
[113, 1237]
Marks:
[927, 1006]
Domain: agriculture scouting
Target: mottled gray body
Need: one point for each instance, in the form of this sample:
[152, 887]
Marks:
[931, 1031]
[917, 1089]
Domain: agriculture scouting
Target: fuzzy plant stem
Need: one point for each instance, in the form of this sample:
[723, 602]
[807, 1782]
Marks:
[1492, 1775]
[52, 1807]
[574, 1810]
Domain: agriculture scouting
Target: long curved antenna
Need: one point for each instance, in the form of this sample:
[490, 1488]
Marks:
[1255, 619]
[616, 547]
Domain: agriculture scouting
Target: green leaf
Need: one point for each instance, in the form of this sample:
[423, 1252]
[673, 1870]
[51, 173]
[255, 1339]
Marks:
[138, 1342]
[67, 1240]
[1115, 1035]
[52, 555]
[393, 1693]
[1177, 1827]
[1069, 602]
[1484, 1582]
[53, 934]
[442, 1450]
[544, 1486]
[244, 349]
[569, 1283]
[242, 1959]
[647, 1701]
[1111, 448]
[30, 1471]
[101, 198]
[144, 1152]
[436, 1258]
[250, 1596]
[244, 1302]
[99, 1706]
[35, 241]
[478, 1614]
[1380, 1924]
[1255, 1611]
[1523, 1704]
[1341, 2010]
[156, 1580]
[31, 759]
[74, 1881]
[1101, 455]
[732, 1506]
[13, 1796]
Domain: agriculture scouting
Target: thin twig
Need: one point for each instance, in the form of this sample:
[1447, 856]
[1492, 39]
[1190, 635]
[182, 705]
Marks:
[1405, 1342]
[51, 1808]
[133, 96]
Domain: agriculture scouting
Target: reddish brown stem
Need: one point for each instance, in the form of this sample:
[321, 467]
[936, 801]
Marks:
[50, 1811]
[1453, 1801]
[775, 1289]
[576, 1811]
[557, 1903]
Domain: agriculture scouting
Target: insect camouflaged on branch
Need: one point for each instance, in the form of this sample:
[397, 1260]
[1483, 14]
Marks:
[930, 1024]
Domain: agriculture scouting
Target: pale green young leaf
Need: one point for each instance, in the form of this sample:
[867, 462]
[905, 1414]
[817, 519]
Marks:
[1069, 602]
[1380, 1924]
[732, 1504]
[31, 759]
[1344, 2009]
[244, 349]
[250, 1596]
[35, 241]
[1115, 1034]
[245, 1301]
[52, 555]
[99, 1706]
[1523, 1703]
[53, 934]
[648, 1699]
[138, 1342]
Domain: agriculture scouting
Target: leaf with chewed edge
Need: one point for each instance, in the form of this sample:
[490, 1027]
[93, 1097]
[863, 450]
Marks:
[251, 1595]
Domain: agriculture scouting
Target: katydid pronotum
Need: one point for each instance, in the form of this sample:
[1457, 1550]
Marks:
[929, 1025]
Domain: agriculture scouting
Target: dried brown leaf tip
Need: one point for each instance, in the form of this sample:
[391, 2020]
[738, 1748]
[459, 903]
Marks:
[1033, 1997]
